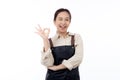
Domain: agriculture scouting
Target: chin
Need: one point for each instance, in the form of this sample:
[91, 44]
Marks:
[63, 31]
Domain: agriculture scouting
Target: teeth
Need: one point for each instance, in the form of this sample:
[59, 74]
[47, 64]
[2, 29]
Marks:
[62, 26]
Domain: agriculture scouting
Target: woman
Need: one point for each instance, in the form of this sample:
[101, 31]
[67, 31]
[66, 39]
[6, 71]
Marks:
[62, 53]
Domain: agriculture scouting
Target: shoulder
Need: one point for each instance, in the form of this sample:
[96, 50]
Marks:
[77, 38]
[76, 35]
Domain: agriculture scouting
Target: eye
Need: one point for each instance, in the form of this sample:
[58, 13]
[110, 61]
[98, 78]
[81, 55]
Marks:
[66, 19]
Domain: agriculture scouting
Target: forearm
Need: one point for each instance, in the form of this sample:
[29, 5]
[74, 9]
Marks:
[46, 44]
[57, 67]
[61, 66]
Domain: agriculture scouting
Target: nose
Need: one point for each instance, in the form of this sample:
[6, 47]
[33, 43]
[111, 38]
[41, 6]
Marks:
[63, 22]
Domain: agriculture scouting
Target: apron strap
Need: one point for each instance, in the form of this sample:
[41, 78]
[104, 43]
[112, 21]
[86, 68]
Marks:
[51, 44]
[72, 40]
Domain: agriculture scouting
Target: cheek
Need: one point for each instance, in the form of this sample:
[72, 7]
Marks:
[56, 23]
[68, 24]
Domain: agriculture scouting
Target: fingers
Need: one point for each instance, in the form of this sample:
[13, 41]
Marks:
[46, 30]
[39, 28]
[37, 33]
[38, 25]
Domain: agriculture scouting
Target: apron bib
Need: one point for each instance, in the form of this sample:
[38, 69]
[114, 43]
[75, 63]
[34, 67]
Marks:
[61, 53]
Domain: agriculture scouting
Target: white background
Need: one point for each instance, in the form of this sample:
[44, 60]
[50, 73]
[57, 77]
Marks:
[97, 21]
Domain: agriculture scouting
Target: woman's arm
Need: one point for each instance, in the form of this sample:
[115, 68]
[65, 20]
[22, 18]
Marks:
[76, 59]
[58, 67]
[47, 58]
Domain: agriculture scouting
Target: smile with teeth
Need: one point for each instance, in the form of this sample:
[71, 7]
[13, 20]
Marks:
[62, 26]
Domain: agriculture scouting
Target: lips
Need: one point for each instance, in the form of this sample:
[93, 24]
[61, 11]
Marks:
[62, 26]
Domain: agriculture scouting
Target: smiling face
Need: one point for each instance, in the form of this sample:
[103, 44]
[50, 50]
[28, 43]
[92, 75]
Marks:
[62, 21]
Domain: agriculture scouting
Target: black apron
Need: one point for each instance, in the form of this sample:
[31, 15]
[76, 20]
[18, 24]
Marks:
[60, 53]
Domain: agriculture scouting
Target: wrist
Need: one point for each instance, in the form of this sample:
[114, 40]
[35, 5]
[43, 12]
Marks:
[61, 66]
[45, 38]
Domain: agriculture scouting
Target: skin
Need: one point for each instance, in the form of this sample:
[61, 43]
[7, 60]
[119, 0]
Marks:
[62, 23]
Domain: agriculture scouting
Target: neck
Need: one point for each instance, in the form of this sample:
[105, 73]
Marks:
[63, 34]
